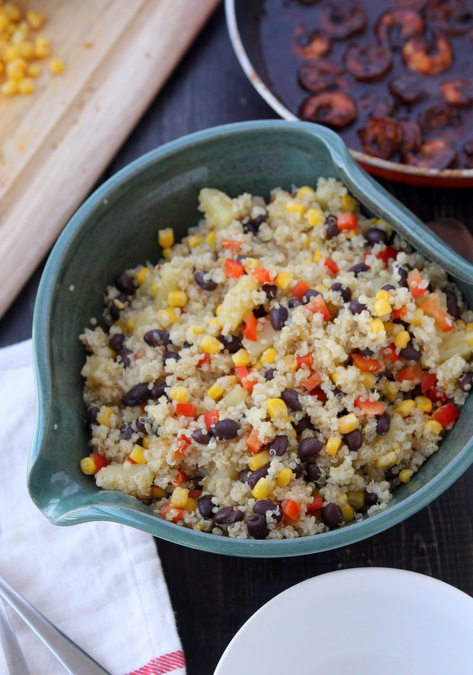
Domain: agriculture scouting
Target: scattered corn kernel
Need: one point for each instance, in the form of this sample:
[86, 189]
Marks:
[241, 358]
[15, 70]
[42, 47]
[315, 217]
[35, 19]
[180, 395]
[250, 264]
[142, 275]
[377, 325]
[350, 234]
[433, 426]
[167, 252]
[130, 324]
[348, 203]
[191, 505]
[347, 513]
[56, 66]
[368, 380]
[146, 441]
[405, 475]
[416, 319]
[387, 460]
[305, 193]
[166, 237]
[179, 497]
[391, 390]
[9, 88]
[348, 423]
[283, 280]
[137, 455]
[259, 460]
[104, 415]
[263, 488]
[356, 499]
[211, 238]
[218, 309]
[423, 403]
[157, 492]
[216, 391]
[381, 307]
[210, 345]
[290, 361]
[317, 257]
[198, 330]
[177, 299]
[295, 207]
[383, 295]
[87, 465]
[401, 340]
[167, 316]
[194, 240]
[405, 408]
[284, 477]
[276, 408]
[269, 355]
[389, 326]
[332, 445]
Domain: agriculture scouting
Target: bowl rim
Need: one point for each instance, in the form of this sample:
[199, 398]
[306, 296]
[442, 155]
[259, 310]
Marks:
[376, 165]
[100, 506]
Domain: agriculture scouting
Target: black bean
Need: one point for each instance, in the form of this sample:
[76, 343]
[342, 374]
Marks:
[124, 355]
[410, 352]
[243, 475]
[403, 273]
[303, 424]
[466, 381]
[254, 477]
[388, 287]
[205, 283]
[376, 236]
[158, 390]
[200, 436]
[269, 374]
[171, 355]
[452, 305]
[308, 295]
[262, 506]
[313, 472]
[371, 498]
[205, 506]
[278, 317]
[186, 345]
[356, 307]
[228, 515]
[141, 423]
[252, 226]
[91, 416]
[126, 431]
[354, 440]
[116, 342]
[259, 312]
[332, 227]
[298, 470]
[231, 343]
[257, 526]
[309, 447]
[344, 291]
[359, 268]
[367, 353]
[114, 311]
[224, 430]
[412, 393]
[137, 395]
[294, 302]
[383, 423]
[125, 284]
[389, 474]
[332, 515]
[278, 446]
[291, 399]
[156, 337]
[270, 290]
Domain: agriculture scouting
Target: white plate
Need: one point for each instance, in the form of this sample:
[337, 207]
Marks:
[356, 622]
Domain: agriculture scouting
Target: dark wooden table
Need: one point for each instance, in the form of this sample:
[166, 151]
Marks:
[213, 595]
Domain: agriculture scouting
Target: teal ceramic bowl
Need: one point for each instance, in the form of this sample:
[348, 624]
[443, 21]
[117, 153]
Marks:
[116, 229]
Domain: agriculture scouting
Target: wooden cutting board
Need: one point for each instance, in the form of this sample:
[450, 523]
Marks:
[55, 143]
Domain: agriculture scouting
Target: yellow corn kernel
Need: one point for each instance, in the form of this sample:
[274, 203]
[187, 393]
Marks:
[35, 19]
[42, 47]
[377, 325]
[11, 53]
[260, 459]
[336, 377]
[389, 326]
[317, 257]
[167, 252]
[166, 237]
[433, 426]
[142, 275]
[347, 513]
[210, 345]
[423, 403]
[269, 355]
[356, 499]
[218, 309]
[368, 380]
[241, 358]
[416, 319]
[469, 339]
[295, 207]
[348, 203]
[405, 475]
[25, 49]
[87, 465]
[137, 455]
[216, 391]
[177, 299]
[405, 408]
[194, 240]
[321, 288]
[9, 88]
[198, 330]
[180, 394]
[15, 70]
[315, 217]
[348, 423]
[387, 460]
[401, 340]
[284, 477]
[469, 327]
[283, 280]
[383, 295]
[130, 324]
[104, 415]
[56, 66]
[167, 316]
[191, 505]
[391, 390]
[290, 361]
[305, 193]
[349, 234]
[263, 488]
[179, 497]
[157, 492]
[250, 264]
[146, 441]
[211, 238]
[341, 499]
[332, 445]
[382, 307]
[214, 326]
[276, 408]
[154, 287]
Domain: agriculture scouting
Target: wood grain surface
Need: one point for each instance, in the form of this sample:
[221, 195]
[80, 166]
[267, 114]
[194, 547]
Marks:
[55, 143]
[212, 595]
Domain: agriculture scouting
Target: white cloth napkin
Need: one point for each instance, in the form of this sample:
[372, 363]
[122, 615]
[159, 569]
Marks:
[101, 583]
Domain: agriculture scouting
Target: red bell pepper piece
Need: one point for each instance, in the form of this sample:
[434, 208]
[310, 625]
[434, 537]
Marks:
[410, 374]
[262, 275]
[204, 359]
[347, 221]
[186, 409]
[432, 308]
[233, 268]
[370, 407]
[299, 289]
[398, 313]
[183, 444]
[312, 382]
[446, 415]
[320, 394]
[253, 442]
[389, 253]
[100, 461]
[316, 503]
[331, 265]
[318, 305]
[167, 508]
[242, 373]
[427, 381]
[291, 509]
[211, 417]
[232, 244]
[391, 354]
[249, 331]
[417, 285]
[366, 365]
[180, 478]
[437, 394]
[305, 360]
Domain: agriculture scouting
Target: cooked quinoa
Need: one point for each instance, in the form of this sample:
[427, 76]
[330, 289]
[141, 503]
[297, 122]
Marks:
[285, 367]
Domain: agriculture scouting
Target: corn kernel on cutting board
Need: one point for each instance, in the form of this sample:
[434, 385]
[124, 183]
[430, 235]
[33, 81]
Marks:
[55, 143]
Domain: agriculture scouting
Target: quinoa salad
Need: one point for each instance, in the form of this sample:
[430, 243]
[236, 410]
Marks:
[279, 372]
